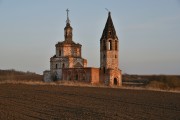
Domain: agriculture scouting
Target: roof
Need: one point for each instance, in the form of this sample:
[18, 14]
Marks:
[72, 43]
[109, 30]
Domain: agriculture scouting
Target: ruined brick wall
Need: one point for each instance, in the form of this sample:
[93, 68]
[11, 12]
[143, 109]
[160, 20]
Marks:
[47, 76]
[95, 75]
[76, 74]
[88, 75]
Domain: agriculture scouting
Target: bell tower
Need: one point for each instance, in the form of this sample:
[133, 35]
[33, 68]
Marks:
[109, 55]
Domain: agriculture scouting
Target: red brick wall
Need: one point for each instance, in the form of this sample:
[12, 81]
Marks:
[90, 75]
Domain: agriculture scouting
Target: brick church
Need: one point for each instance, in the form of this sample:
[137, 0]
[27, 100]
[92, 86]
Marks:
[68, 64]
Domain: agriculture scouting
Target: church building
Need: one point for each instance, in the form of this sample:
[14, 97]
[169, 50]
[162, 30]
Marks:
[68, 63]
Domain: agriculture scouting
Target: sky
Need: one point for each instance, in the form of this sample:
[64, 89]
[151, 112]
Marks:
[148, 32]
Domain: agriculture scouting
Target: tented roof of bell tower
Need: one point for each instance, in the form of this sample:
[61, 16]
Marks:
[109, 30]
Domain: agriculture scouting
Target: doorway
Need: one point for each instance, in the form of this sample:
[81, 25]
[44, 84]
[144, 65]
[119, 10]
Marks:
[115, 81]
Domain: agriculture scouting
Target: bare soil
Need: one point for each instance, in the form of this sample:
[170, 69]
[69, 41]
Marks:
[31, 102]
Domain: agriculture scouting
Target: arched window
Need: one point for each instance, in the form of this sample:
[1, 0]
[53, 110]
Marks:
[56, 66]
[76, 77]
[63, 65]
[104, 69]
[69, 75]
[110, 45]
[59, 52]
[75, 51]
[116, 45]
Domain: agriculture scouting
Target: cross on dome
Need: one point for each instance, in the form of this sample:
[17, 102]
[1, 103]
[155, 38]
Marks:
[67, 21]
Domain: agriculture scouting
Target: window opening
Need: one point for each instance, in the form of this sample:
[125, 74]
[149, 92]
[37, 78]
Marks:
[63, 66]
[110, 45]
[59, 52]
[76, 76]
[115, 45]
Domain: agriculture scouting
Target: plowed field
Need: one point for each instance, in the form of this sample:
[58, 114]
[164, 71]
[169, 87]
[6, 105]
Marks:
[31, 102]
